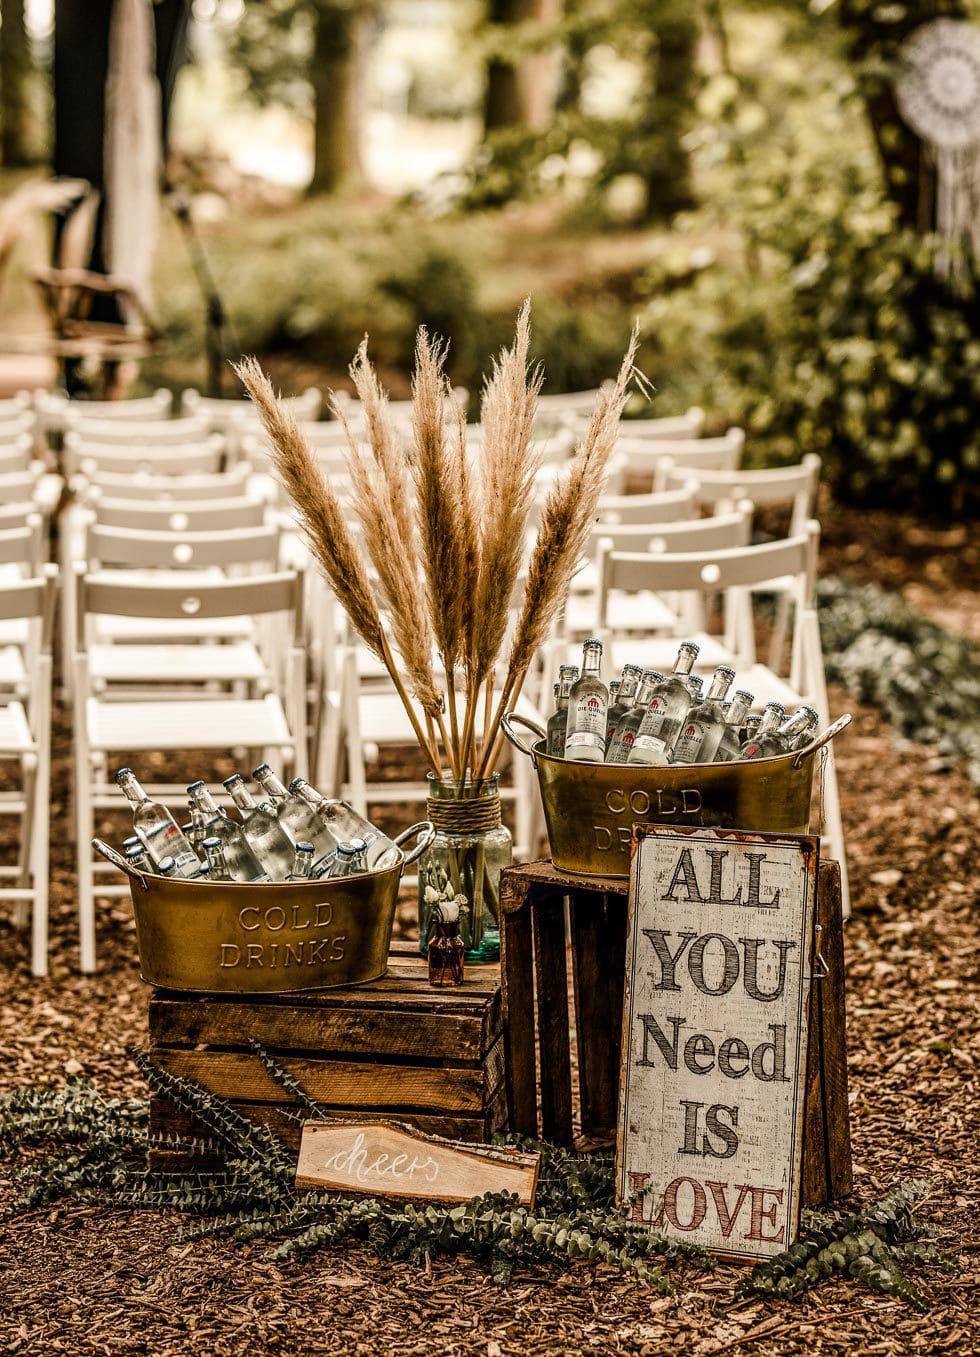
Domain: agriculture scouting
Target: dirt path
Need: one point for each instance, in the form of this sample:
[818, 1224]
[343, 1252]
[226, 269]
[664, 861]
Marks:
[79, 1280]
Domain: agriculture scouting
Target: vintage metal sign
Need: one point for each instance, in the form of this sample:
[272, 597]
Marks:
[384, 1159]
[714, 1040]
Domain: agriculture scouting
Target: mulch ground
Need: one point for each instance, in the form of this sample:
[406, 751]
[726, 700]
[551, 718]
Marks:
[83, 1280]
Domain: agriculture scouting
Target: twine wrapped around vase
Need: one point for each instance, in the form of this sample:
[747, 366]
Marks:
[471, 815]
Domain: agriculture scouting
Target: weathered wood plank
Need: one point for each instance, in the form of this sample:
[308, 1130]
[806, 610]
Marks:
[597, 1038]
[827, 1173]
[391, 1160]
[551, 975]
[517, 966]
[459, 1038]
[340, 1083]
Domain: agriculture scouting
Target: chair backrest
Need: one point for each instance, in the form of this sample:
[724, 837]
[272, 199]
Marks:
[215, 515]
[688, 425]
[181, 550]
[18, 487]
[560, 403]
[88, 457]
[17, 515]
[140, 485]
[749, 567]
[54, 408]
[700, 534]
[669, 506]
[11, 407]
[24, 546]
[99, 594]
[645, 457]
[17, 455]
[136, 433]
[795, 485]
[223, 412]
[16, 426]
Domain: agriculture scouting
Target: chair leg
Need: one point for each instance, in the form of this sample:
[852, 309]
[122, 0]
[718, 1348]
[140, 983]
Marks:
[25, 849]
[86, 876]
[40, 851]
[777, 643]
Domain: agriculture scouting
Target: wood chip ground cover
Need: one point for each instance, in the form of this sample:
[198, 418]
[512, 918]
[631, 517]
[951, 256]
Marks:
[80, 1280]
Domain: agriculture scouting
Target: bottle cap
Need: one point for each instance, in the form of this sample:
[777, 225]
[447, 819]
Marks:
[233, 781]
[632, 669]
[652, 676]
[305, 848]
[135, 850]
[297, 782]
[195, 786]
[213, 842]
[133, 839]
[593, 643]
[358, 846]
[690, 645]
[810, 711]
[745, 697]
[165, 865]
[725, 669]
[262, 768]
[345, 849]
[123, 772]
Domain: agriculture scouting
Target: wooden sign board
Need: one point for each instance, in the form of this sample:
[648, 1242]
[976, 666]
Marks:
[718, 954]
[384, 1159]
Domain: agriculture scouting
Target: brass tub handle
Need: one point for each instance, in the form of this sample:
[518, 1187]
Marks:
[425, 831]
[512, 718]
[111, 855]
[823, 738]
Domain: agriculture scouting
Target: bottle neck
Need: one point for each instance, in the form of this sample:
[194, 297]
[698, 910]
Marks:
[567, 677]
[206, 802]
[738, 712]
[628, 687]
[309, 794]
[132, 790]
[720, 685]
[685, 661]
[771, 718]
[271, 784]
[591, 662]
[241, 796]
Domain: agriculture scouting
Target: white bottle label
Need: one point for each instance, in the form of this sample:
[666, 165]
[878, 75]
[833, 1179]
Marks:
[590, 717]
[688, 744]
[585, 739]
[650, 744]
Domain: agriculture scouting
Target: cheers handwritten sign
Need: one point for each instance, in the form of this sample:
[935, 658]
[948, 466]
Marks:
[714, 1040]
[383, 1159]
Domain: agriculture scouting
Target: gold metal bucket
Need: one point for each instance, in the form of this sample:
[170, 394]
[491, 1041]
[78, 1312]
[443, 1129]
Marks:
[590, 808]
[274, 938]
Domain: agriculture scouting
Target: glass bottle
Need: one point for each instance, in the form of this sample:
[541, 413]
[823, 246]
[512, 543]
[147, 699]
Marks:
[197, 830]
[157, 829]
[265, 835]
[446, 950]
[168, 866]
[336, 821]
[669, 704]
[238, 856]
[695, 686]
[297, 819]
[750, 728]
[621, 701]
[631, 720]
[585, 730]
[350, 859]
[302, 863]
[702, 728]
[136, 855]
[799, 729]
[731, 742]
[761, 745]
[557, 723]
[217, 865]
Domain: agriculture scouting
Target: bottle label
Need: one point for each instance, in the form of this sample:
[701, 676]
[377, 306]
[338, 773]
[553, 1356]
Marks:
[590, 717]
[650, 744]
[752, 751]
[585, 739]
[188, 864]
[688, 744]
[624, 744]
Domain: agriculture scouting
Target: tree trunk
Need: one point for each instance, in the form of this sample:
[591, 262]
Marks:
[15, 71]
[668, 176]
[336, 77]
[908, 175]
[521, 93]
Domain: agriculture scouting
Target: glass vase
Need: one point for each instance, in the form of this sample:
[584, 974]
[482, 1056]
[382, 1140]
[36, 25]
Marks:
[466, 857]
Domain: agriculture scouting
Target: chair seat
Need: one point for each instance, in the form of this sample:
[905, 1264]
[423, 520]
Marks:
[643, 612]
[769, 687]
[187, 725]
[14, 631]
[15, 733]
[660, 652]
[175, 663]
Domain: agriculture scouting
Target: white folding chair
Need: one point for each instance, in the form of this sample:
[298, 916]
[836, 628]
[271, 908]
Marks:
[132, 433]
[15, 426]
[81, 454]
[25, 737]
[235, 483]
[224, 412]
[54, 408]
[792, 486]
[643, 457]
[273, 724]
[742, 572]
[23, 555]
[688, 425]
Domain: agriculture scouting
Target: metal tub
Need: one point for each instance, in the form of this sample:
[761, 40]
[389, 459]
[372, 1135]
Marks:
[590, 808]
[274, 938]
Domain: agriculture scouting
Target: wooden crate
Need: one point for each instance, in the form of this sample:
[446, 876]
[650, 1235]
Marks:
[563, 1016]
[431, 1057]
